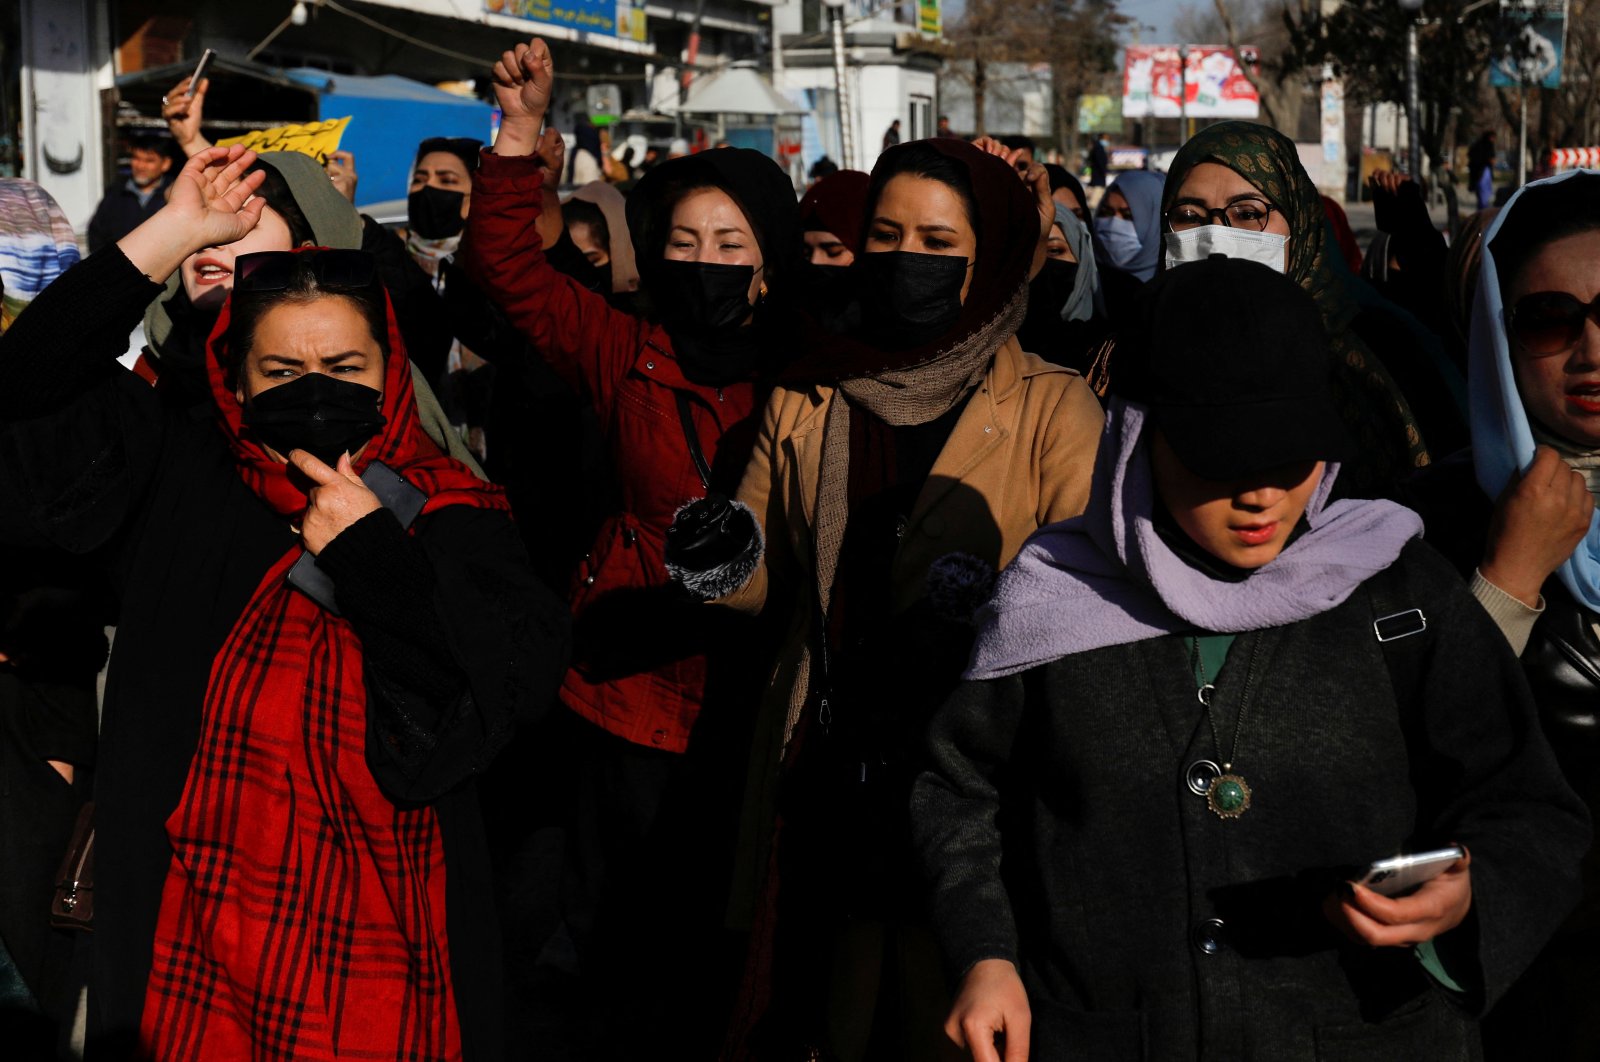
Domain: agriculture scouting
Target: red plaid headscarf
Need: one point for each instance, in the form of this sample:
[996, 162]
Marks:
[303, 913]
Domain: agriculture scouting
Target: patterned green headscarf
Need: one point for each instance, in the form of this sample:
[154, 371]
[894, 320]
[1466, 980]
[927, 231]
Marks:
[1376, 413]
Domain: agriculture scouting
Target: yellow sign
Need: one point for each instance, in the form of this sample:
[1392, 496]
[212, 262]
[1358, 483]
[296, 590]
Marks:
[929, 18]
[317, 139]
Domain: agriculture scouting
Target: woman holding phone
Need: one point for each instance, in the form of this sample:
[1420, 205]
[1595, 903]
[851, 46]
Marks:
[1195, 715]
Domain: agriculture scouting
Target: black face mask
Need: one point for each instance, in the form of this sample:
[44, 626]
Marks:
[703, 297]
[1049, 291]
[316, 413]
[909, 299]
[564, 257]
[829, 295]
[434, 213]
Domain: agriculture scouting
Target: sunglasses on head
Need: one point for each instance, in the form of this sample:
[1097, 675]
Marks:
[335, 269]
[1551, 322]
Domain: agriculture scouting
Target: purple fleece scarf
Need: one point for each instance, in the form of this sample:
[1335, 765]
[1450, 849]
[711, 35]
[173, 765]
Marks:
[1106, 578]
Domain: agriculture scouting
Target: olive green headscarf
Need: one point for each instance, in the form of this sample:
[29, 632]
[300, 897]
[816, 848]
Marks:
[1376, 413]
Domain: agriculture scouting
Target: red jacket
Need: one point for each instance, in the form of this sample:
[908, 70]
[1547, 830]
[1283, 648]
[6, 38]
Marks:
[625, 365]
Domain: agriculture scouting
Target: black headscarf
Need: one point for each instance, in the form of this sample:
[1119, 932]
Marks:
[766, 196]
[1007, 226]
[1061, 177]
[464, 148]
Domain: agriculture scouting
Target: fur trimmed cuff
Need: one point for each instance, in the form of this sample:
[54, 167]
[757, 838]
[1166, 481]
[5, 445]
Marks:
[958, 585]
[731, 575]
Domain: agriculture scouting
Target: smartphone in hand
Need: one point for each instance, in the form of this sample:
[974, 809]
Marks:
[1391, 877]
[201, 69]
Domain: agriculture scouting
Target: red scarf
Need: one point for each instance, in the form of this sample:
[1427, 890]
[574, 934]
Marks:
[303, 914]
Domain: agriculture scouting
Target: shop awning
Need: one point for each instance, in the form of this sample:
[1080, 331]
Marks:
[734, 90]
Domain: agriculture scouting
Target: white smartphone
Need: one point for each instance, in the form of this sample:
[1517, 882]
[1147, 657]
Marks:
[201, 69]
[1391, 877]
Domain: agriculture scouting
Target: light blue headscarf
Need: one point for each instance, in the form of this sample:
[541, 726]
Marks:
[1086, 301]
[36, 242]
[1502, 438]
[1142, 190]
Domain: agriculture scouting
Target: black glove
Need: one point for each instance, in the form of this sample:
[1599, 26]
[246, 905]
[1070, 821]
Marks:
[713, 546]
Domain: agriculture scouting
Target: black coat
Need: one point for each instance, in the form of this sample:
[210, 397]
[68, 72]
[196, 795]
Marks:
[94, 462]
[120, 212]
[1105, 867]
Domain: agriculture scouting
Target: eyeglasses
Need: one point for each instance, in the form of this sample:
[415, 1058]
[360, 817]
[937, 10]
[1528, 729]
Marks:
[335, 269]
[1550, 322]
[1240, 214]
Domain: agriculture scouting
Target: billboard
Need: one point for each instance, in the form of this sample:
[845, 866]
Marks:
[1529, 48]
[1213, 84]
[610, 18]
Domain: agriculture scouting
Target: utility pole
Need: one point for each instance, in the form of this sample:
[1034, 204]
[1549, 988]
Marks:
[1183, 93]
[847, 132]
[1413, 101]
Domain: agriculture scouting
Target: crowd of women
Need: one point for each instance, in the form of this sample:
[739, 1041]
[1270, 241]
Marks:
[936, 618]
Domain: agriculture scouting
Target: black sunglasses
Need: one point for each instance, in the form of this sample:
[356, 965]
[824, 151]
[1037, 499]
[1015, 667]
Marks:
[1550, 322]
[335, 269]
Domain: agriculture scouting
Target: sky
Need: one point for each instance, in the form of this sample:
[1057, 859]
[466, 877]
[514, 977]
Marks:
[1157, 13]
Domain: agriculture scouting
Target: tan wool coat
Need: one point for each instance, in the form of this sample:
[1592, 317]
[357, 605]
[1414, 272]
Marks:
[1020, 456]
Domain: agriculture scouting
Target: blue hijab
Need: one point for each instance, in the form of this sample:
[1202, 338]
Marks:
[1502, 438]
[1142, 190]
[1086, 302]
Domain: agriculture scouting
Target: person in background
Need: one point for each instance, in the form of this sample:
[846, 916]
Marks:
[1480, 169]
[891, 136]
[137, 198]
[678, 393]
[283, 784]
[832, 215]
[36, 245]
[943, 129]
[898, 466]
[678, 149]
[1068, 191]
[416, 303]
[1099, 161]
[52, 642]
[1127, 239]
[1066, 310]
[1187, 728]
[1516, 515]
[1239, 188]
[1024, 147]
[583, 164]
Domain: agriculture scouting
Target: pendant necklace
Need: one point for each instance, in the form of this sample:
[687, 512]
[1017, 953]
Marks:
[1228, 794]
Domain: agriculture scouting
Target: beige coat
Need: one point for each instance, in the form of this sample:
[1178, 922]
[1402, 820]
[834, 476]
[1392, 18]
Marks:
[1024, 451]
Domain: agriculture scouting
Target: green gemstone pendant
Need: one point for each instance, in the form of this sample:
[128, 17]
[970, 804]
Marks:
[1228, 796]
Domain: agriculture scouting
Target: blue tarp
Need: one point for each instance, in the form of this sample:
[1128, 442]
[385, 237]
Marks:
[389, 117]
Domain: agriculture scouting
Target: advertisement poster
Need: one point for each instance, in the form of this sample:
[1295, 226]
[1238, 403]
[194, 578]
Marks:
[1213, 84]
[1099, 114]
[1529, 49]
[929, 18]
[611, 18]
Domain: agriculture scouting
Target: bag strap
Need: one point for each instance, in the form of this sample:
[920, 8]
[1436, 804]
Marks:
[1401, 630]
[692, 437]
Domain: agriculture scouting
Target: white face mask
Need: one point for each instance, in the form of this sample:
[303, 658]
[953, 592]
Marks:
[1196, 245]
[1120, 239]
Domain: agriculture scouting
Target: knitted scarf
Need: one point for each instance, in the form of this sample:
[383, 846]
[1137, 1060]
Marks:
[303, 913]
[898, 397]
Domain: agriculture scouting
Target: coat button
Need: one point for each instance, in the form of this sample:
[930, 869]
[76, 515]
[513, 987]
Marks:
[649, 364]
[1207, 936]
[1199, 775]
[660, 738]
[589, 581]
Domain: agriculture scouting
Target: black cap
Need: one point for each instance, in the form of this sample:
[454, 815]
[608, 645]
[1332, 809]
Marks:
[1232, 360]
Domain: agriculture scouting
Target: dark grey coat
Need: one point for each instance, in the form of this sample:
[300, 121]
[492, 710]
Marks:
[1059, 832]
